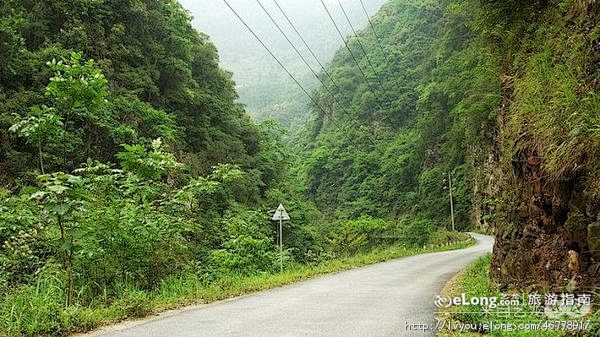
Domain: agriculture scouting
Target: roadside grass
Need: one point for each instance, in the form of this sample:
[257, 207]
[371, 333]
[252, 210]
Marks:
[37, 310]
[475, 282]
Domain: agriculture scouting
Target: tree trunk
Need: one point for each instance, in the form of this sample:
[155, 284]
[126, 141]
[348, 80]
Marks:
[67, 260]
[41, 157]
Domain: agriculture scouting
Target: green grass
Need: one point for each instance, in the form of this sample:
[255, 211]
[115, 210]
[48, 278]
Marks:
[38, 310]
[475, 282]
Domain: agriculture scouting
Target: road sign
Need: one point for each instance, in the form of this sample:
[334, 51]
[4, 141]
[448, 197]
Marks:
[280, 214]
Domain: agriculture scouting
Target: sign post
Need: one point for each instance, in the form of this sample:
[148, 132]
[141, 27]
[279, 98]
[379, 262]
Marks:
[451, 201]
[280, 214]
[449, 188]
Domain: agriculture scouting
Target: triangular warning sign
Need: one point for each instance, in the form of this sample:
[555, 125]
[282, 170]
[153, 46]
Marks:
[280, 214]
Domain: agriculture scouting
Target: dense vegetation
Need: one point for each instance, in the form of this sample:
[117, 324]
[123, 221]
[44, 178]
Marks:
[130, 174]
[502, 94]
[430, 96]
[131, 179]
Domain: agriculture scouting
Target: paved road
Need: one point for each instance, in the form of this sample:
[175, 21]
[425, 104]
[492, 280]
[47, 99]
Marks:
[374, 301]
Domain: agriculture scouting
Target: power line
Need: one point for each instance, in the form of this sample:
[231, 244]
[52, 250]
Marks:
[306, 45]
[360, 43]
[377, 38]
[332, 120]
[347, 46]
[300, 54]
[274, 57]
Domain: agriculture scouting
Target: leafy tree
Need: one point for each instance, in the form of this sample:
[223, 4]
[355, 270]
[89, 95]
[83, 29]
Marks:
[147, 165]
[38, 126]
[61, 196]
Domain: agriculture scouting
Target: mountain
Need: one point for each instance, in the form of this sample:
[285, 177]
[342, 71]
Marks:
[501, 96]
[262, 85]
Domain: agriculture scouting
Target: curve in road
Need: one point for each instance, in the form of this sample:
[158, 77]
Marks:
[374, 301]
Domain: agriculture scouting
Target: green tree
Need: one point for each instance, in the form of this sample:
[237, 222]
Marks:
[61, 195]
[39, 125]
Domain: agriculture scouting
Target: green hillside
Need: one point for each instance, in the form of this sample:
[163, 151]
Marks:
[131, 180]
[502, 95]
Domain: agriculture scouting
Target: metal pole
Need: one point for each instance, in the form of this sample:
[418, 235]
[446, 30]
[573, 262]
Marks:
[281, 244]
[451, 200]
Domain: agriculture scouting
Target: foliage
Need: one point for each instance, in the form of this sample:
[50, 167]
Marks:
[138, 185]
[475, 282]
[35, 127]
[147, 165]
[389, 155]
[362, 234]
[163, 82]
[23, 319]
[416, 232]
[154, 183]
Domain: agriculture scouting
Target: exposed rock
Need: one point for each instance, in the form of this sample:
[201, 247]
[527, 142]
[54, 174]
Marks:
[548, 242]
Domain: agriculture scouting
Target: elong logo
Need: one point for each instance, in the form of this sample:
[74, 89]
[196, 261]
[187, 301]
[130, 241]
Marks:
[462, 300]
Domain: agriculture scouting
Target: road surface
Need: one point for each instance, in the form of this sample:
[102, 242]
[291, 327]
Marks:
[374, 301]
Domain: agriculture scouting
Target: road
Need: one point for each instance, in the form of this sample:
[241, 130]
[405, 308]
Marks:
[373, 301]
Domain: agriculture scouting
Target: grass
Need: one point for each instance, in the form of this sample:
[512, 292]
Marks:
[475, 282]
[37, 310]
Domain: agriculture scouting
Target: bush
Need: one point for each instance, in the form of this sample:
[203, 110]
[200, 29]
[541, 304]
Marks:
[361, 234]
[21, 242]
[416, 232]
[442, 236]
[134, 303]
[126, 243]
[244, 255]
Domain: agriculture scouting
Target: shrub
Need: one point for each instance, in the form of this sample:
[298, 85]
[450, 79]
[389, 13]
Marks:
[361, 234]
[244, 255]
[416, 232]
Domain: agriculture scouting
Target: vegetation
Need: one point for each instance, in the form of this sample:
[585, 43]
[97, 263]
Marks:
[503, 95]
[131, 179]
[33, 309]
[475, 282]
[387, 149]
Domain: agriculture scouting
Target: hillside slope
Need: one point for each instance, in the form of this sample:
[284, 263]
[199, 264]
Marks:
[267, 91]
[164, 81]
[503, 95]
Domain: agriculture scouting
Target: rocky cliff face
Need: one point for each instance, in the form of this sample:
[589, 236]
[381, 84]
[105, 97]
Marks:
[547, 221]
[550, 234]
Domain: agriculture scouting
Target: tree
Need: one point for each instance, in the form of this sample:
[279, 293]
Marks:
[39, 125]
[61, 195]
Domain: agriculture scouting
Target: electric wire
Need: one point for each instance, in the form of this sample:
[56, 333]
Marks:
[362, 47]
[347, 46]
[275, 57]
[333, 121]
[325, 86]
[314, 55]
[377, 38]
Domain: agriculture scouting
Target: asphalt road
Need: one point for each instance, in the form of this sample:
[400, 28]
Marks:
[374, 301]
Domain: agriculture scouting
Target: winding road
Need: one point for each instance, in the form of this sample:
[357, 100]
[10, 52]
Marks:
[373, 301]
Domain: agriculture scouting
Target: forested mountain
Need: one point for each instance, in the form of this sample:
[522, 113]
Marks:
[132, 180]
[504, 95]
[384, 144]
[163, 82]
[263, 86]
